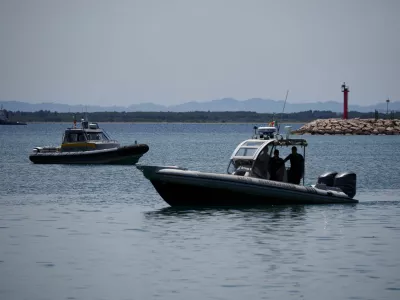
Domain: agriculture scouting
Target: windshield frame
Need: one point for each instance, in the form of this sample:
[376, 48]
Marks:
[247, 145]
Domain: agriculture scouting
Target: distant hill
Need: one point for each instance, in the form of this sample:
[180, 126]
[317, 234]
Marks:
[227, 104]
[32, 107]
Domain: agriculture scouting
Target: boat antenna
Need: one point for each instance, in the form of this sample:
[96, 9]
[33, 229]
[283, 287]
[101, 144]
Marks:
[86, 117]
[284, 104]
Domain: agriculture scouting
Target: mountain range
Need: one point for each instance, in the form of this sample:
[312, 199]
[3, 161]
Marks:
[226, 104]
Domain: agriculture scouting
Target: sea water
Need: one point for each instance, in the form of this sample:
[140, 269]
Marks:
[103, 232]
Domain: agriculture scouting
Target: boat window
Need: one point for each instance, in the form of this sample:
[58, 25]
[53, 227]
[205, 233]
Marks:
[266, 132]
[81, 137]
[103, 136]
[253, 143]
[246, 152]
[97, 136]
[71, 138]
[94, 136]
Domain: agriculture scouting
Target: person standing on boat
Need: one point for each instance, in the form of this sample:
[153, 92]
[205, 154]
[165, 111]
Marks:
[275, 164]
[296, 166]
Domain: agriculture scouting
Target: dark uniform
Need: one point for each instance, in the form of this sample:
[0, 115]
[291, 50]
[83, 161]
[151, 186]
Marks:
[275, 164]
[296, 167]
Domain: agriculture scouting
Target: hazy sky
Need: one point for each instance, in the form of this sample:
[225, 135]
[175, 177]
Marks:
[175, 51]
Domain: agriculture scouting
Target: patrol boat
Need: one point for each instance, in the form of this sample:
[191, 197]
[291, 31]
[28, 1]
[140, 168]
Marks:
[4, 120]
[88, 144]
[246, 182]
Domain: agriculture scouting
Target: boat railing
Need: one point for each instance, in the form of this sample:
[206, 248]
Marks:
[105, 141]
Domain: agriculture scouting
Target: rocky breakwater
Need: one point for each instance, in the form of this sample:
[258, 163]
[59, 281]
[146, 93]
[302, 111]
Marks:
[351, 127]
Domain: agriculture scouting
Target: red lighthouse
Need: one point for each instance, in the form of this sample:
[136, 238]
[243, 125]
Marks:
[345, 90]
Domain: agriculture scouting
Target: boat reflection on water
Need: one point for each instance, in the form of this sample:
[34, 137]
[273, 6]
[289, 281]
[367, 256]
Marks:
[264, 213]
[271, 212]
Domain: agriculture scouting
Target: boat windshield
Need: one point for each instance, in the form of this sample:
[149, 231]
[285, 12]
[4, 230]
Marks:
[253, 143]
[72, 137]
[97, 136]
[246, 151]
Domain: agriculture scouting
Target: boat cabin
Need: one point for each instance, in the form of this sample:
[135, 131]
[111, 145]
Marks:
[265, 132]
[88, 137]
[252, 157]
[73, 135]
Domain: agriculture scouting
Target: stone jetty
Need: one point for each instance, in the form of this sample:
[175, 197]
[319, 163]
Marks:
[355, 126]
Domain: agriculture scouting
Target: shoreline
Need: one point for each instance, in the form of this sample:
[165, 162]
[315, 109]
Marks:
[36, 122]
[354, 126]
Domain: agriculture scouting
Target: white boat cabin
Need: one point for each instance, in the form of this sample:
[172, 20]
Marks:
[251, 157]
[266, 132]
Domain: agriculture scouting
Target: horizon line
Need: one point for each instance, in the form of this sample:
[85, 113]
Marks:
[207, 101]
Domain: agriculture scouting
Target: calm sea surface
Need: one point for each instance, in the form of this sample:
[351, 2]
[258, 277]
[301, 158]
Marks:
[102, 232]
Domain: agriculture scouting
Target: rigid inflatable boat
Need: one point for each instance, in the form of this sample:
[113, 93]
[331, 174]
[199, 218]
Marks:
[247, 181]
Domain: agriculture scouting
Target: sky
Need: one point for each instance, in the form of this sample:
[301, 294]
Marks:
[104, 52]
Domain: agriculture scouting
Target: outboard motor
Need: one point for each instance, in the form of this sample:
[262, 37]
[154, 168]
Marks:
[327, 178]
[347, 182]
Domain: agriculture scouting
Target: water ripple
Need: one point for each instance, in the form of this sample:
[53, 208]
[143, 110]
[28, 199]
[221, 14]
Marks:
[103, 232]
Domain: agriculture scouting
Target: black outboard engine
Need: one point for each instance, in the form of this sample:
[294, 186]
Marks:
[347, 182]
[327, 178]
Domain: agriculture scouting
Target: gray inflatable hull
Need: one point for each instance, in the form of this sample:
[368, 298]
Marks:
[180, 187]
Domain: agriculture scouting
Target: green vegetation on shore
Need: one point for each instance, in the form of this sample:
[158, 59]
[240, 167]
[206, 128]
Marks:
[186, 117]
